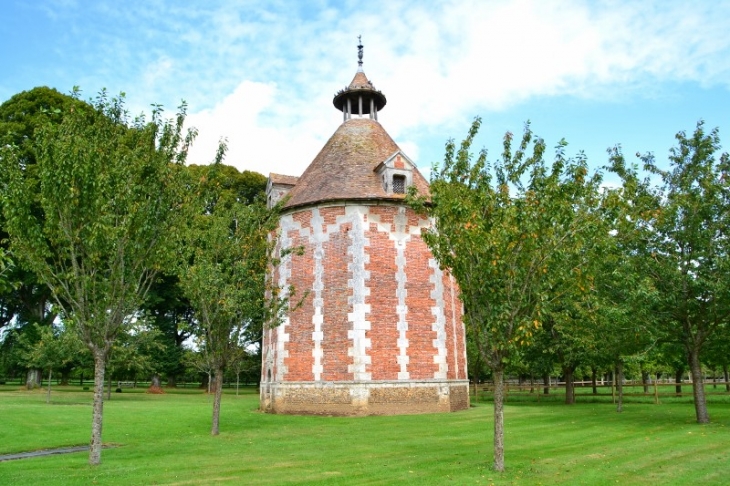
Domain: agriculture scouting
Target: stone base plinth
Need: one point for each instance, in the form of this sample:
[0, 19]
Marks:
[365, 398]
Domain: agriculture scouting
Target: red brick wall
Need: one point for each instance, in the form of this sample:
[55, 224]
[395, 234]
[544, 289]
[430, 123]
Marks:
[336, 295]
[383, 301]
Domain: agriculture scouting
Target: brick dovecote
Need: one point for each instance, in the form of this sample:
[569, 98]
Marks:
[379, 312]
[379, 329]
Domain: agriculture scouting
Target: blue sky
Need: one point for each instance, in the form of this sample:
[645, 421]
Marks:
[263, 74]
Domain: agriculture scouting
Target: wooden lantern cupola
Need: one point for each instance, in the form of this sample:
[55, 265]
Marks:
[360, 97]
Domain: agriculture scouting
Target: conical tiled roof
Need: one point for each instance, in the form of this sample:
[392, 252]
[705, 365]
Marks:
[345, 167]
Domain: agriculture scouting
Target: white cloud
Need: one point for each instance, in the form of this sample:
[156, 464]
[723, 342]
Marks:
[262, 74]
[256, 140]
[441, 63]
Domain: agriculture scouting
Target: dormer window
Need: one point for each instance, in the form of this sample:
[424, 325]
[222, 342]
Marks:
[396, 173]
[399, 184]
[277, 187]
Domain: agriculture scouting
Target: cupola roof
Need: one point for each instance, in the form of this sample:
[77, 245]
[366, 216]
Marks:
[360, 97]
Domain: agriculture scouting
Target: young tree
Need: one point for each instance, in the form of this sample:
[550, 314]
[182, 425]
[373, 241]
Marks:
[511, 232]
[132, 353]
[680, 233]
[95, 220]
[169, 308]
[622, 309]
[54, 348]
[247, 362]
[224, 277]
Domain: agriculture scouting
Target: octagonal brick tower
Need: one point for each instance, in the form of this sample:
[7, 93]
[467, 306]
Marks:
[380, 330]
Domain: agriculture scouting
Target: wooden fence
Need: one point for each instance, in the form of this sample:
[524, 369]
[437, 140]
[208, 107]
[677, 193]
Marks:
[585, 389]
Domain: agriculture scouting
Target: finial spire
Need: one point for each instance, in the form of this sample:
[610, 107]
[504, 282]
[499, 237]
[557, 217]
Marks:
[359, 53]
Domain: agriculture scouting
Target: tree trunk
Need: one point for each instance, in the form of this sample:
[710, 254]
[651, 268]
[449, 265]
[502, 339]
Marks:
[698, 387]
[678, 381]
[620, 386]
[645, 380]
[569, 385]
[613, 387]
[727, 377]
[171, 381]
[32, 379]
[98, 409]
[546, 384]
[218, 388]
[48, 396]
[65, 376]
[237, 380]
[498, 420]
[594, 383]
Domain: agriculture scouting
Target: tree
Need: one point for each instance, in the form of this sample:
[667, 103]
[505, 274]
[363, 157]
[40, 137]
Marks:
[132, 353]
[224, 183]
[54, 348]
[622, 307]
[681, 236]
[170, 309]
[20, 117]
[169, 312]
[505, 231]
[95, 220]
[224, 277]
[247, 362]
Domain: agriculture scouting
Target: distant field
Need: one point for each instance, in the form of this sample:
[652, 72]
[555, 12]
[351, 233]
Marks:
[164, 439]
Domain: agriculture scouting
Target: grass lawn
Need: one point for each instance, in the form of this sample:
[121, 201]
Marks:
[164, 439]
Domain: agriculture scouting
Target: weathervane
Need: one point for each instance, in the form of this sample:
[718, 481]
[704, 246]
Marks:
[359, 52]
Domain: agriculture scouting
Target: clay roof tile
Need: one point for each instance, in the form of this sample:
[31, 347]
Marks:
[345, 167]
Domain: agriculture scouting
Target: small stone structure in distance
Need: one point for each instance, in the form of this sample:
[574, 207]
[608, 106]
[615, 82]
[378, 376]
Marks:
[380, 330]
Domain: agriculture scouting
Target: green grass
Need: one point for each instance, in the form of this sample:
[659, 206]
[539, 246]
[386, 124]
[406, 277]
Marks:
[164, 439]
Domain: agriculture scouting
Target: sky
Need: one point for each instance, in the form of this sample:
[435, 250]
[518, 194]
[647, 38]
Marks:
[262, 74]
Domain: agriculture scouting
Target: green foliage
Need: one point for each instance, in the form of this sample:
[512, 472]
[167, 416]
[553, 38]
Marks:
[6, 284]
[516, 234]
[223, 274]
[106, 193]
[676, 234]
[511, 232]
[26, 112]
[170, 312]
[134, 351]
[95, 218]
[50, 347]
[217, 186]
[224, 184]
[22, 297]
